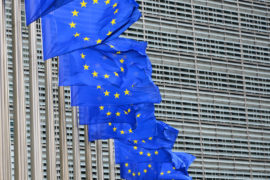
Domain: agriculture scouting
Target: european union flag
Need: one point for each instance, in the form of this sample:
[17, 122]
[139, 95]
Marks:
[102, 65]
[34, 9]
[115, 114]
[145, 124]
[84, 23]
[125, 153]
[177, 171]
[164, 137]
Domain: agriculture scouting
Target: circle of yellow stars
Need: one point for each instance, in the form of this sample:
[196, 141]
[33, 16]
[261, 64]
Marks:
[84, 4]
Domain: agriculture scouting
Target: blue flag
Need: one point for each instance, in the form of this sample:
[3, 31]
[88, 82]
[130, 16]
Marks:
[84, 23]
[145, 124]
[176, 170]
[164, 137]
[102, 65]
[34, 9]
[115, 114]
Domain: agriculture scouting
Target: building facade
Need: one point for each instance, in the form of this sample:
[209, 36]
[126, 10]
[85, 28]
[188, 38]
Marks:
[211, 61]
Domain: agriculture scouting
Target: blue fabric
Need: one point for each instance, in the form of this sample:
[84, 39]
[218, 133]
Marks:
[115, 114]
[34, 9]
[165, 137]
[139, 92]
[78, 25]
[76, 68]
[125, 153]
[145, 125]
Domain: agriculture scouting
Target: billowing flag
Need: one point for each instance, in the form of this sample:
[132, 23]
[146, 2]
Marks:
[164, 138]
[34, 9]
[106, 64]
[84, 23]
[145, 124]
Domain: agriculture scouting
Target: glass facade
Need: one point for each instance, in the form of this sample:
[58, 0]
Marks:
[211, 61]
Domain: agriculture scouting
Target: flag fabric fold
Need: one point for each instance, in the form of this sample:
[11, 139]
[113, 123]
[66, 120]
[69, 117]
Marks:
[34, 9]
[83, 23]
[102, 65]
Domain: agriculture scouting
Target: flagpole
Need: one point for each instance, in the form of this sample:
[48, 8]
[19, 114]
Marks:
[36, 165]
[99, 160]
[20, 147]
[111, 159]
[5, 158]
[76, 144]
[88, 155]
[63, 133]
[50, 137]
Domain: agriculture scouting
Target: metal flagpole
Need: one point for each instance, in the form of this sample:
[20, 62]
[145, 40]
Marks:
[63, 133]
[111, 159]
[19, 95]
[36, 165]
[5, 158]
[75, 144]
[88, 155]
[99, 159]
[50, 139]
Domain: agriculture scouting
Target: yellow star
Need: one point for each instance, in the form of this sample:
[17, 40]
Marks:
[118, 52]
[143, 141]
[129, 110]
[76, 34]
[149, 165]
[95, 74]
[116, 95]
[150, 138]
[130, 130]
[99, 41]
[115, 4]
[126, 112]
[107, 2]
[98, 87]
[116, 11]
[116, 74]
[106, 93]
[72, 25]
[141, 153]
[122, 60]
[138, 115]
[82, 56]
[106, 76]
[101, 108]
[122, 69]
[139, 173]
[156, 152]
[118, 114]
[129, 171]
[113, 22]
[133, 174]
[86, 67]
[75, 13]
[110, 123]
[111, 46]
[126, 92]
[86, 39]
[135, 147]
[83, 4]
[148, 154]
[95, 1]
[162, 173]
[108, 113]
[135, 142]
[173, 167]
[126, 164]
[122, 132]
[145, 171]
[168, 172]
[114, 129]
[109, 33]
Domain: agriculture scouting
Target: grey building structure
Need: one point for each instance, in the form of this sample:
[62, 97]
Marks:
[211, 61]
